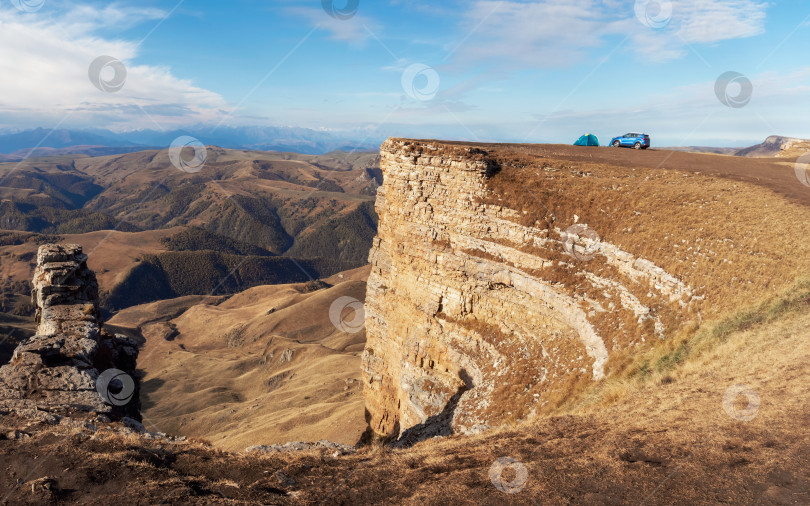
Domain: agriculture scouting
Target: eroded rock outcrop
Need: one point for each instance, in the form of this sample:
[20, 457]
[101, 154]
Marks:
[58, 369]
[470, 322]
[777, 146]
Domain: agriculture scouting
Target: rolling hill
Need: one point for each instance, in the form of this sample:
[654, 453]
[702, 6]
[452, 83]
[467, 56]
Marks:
[263, 366]
[20, 145]
[777, 146]
[153, 231]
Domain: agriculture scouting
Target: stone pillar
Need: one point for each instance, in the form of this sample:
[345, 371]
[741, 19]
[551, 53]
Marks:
[65, 291]
[57, 370]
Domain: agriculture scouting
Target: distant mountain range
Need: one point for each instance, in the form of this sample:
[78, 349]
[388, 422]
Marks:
[40, 142]
[43, 142]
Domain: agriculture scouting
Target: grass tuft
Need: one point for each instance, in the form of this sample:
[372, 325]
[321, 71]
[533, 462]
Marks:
[660, 365]
[701, 339]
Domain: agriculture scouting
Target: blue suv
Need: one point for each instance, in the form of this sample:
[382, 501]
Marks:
[631, 140]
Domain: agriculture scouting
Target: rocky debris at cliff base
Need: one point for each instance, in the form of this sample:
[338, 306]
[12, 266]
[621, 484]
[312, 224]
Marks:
[16, 425]
[339, 449]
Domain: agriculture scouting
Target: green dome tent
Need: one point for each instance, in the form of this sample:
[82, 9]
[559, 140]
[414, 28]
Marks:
[587, 140]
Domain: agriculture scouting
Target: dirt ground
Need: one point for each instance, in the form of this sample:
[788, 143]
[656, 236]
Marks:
[778, 174]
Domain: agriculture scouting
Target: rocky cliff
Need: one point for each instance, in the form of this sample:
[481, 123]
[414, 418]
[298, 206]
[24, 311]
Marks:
[777, 146]
[71, 365]
[474, 319]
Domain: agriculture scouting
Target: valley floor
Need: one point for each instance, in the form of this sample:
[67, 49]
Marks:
[264, 366]
[681, 440]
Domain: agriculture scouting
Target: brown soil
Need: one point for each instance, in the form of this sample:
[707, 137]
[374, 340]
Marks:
[774, 173]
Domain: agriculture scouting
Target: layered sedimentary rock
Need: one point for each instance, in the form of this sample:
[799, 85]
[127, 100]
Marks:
[59, 368]
[473, 319]
[777, 146]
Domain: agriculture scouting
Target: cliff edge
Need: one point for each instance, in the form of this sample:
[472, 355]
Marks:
[505, 280]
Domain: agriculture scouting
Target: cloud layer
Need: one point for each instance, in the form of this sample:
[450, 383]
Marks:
[46, 62]
[483, 50]
[549, 33]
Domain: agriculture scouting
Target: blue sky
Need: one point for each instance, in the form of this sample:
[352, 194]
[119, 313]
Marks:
[527, 71]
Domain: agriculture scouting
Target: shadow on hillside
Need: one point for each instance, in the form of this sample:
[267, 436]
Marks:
[12, 336]
[148, 388]
[436, 425]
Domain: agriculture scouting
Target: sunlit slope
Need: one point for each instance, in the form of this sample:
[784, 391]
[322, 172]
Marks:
[264, 366]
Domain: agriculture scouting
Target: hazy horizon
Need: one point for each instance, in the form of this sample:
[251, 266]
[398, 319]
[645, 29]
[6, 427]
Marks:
[724, 73]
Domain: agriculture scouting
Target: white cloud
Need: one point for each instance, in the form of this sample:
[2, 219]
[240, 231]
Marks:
[544, 33]
[46, 60]
[82, 19]
[355, 30]
[695, 22]
[706, 21]
[693, 115]
[549, 33]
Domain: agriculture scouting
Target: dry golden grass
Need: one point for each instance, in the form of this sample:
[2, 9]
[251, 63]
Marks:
[264, 366]
[714, 345]
[111, 253]
[732, 242]
[515, 391]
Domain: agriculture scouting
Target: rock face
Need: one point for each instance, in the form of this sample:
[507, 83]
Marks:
[466, 325]
[57, 370]
[777, 146]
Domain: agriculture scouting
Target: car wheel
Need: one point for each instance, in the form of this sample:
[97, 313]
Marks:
[616, 144]
[638, 145]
